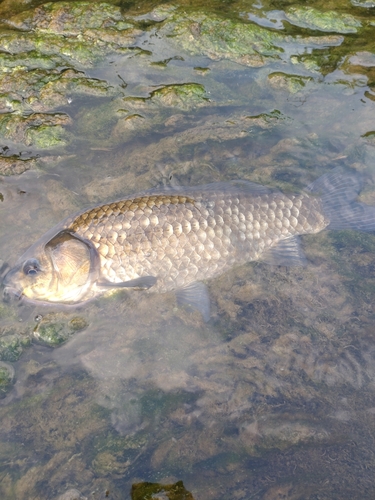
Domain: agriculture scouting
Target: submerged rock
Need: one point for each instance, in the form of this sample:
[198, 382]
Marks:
[291, 83]
[42, 42]
[71, 494]
[84, 31]
[177, 491]
[55, 329]
[12, 346]
[39, 90]
[244, 43]
[331, 21]
[11, 165]
[219, 38]
[39, 129]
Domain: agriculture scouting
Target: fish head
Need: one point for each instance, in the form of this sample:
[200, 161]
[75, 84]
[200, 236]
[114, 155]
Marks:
[61, 269]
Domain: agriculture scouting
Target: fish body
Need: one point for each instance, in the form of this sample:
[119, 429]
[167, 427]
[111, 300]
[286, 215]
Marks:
[175, 239]
[181, 239]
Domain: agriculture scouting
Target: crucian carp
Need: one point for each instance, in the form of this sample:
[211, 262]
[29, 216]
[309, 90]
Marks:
[175, 239]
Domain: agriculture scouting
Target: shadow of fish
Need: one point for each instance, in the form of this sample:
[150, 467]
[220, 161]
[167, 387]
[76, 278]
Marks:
[175, 239]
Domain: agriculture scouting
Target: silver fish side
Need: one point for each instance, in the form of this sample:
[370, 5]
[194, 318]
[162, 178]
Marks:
[175, 239]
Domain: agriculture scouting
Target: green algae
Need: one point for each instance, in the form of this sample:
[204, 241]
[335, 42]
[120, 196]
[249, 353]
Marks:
[12, 346]
[330, 21]
[46, 136]
[245, 43]
[28, 61]
[54, 331]
[83, 31]
[40, 129]
[69, 18]
[82, 34]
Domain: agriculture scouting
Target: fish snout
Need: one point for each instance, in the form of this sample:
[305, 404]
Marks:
[11, 294]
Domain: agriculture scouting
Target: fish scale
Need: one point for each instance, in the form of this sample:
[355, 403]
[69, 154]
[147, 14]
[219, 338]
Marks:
[175, 239]
[182, 239]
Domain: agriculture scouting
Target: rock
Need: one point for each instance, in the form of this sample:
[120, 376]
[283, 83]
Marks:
[331, 21]
[12, 165]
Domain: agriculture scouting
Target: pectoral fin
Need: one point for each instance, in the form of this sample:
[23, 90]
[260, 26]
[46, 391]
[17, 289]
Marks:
[286, 253]
[196, 296]
[145, 282]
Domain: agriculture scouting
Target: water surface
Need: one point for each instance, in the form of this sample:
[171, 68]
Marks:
[275, 396]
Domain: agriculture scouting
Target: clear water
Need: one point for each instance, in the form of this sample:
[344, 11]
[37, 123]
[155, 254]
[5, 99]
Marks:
[274, 398]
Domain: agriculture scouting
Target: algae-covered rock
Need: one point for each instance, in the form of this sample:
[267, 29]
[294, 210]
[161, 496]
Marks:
[80, 32]
[39, 129]
[183, 96]
[124, 118]
[12, 165]
[6, 378]
[69, 18]
[145, 491]
[42, 42]
[219, 38]
[55, 329]
[109, 464]
[41, 90]
[331, 21]
[12, 346]
[222, 38]
[291, 83]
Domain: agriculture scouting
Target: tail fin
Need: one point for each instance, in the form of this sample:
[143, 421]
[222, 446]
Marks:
[338, 191]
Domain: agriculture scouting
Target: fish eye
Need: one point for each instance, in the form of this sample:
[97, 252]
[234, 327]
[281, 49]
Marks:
[31, 267]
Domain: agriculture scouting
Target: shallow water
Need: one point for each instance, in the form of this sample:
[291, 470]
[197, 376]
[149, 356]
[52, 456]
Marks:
[275, 396]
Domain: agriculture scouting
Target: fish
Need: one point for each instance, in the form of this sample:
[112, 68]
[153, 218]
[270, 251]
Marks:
[178, 238]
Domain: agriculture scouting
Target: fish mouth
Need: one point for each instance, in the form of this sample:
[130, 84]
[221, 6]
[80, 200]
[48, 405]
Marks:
[11, 294]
